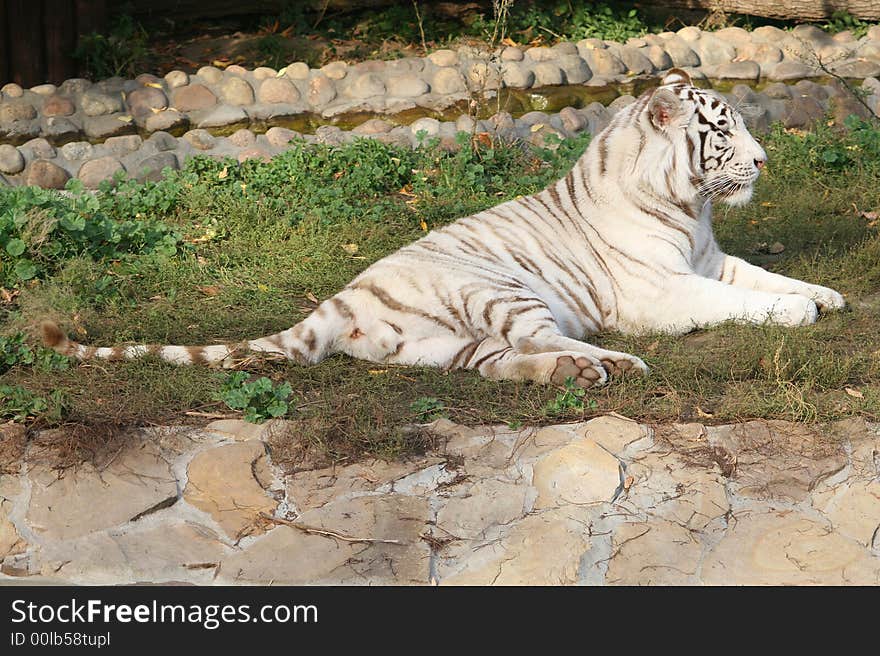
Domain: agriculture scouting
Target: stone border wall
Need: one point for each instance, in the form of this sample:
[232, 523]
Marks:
[93, 130]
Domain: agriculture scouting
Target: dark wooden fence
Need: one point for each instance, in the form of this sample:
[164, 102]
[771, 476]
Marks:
[38, 37]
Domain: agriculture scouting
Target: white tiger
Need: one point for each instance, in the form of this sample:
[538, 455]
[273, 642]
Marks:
[624, 242]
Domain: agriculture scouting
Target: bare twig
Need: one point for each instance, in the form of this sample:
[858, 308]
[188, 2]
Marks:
[421, 26]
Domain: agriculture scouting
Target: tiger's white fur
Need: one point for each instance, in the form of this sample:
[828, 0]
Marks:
[623, 242]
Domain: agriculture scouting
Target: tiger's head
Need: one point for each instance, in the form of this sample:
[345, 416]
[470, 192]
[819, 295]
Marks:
[724, 159]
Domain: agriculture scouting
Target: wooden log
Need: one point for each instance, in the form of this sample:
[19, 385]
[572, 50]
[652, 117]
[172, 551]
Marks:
[26, 57]
[804, 10]
[60, 39]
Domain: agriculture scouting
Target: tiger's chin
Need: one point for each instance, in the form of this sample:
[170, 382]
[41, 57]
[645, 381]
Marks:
[737, 197]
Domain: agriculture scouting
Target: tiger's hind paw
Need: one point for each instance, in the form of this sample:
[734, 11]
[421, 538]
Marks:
[585, 371]
[625, 365]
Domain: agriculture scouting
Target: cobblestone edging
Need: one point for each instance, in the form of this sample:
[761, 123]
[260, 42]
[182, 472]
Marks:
[80, 129]
[604, 502]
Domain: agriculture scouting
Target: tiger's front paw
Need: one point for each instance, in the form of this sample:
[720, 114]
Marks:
[794, 310]
[827, 299]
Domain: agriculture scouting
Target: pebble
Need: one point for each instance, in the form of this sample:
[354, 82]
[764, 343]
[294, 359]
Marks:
[367, 85]
[635, 62]
[602, 62]
[11, 160]
[176, 79]
[76, 150]
[297, 71]
[541, 54]
[101, 127]
[142, 102]
[254, 153]
[681, 53]
[39, 148]
[93, 172]
[745, 70]
[335, 70]
[278, 136]
[572, 120]
[200, 139]
[74, 86]
[210, 74]
[512, 54]
[431, 126]
[517, 76]
[547, 74]
[575, 68]
[16, 111]
[151, 167]
[46, 174]
[193, 97]
[658, 57]
[444, 58]
[11, 90]
[237, 91]
[373, 126]
[223, 115]
[44, 89]
[169, 119]
[94, 103]
[278, 90]
[243, 138]
[162, 141]
[321, 91]
[408, 86]
[448, 81]
[264, 73]
[123, 145]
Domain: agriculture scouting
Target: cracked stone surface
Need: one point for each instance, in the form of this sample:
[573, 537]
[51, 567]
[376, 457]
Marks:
[603, 502]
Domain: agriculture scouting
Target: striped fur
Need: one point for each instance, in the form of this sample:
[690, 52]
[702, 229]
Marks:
[623, 242]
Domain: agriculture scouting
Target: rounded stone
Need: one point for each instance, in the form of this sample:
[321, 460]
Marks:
[410, 65]
[373, 126]
[604, 63]
[151, 167]
[681, 53]
[635, 61]
[11, 90]
[280, 136]
[778, 90]
[124, 144]
[578, 473]
[77, 150]
[712, 51]
[176, 79]
[101, 127]
[162, 141]
[39, 149]
[200, 139]
[193, 97]
[658, 57]
[236, 91]
[763, 53]
[44, 89]
[566, 48]
[690, 33]
[264, 73]
[16, 111]
[745, 70]
[444, 58]
[210, 74]
[94, 103]
[74, 86]
[541, 54]
[278, 90]
[222, 116]
[11, 160]
[448, 81]
[145, 79]
[335, 70]
[407, 86]
[572, 120]
[165, 120]
[367, 85]
[142, 102]
[243, 138]
[766, 34]
[790, 70]
[431, 126]
[735, 35]
[512, 54]
[235, 69]
[517, 76]
[576, 70]
[547, 74]
[254, 153]
[321, 90]
[483, 76]
[96, 171]
[297, 71]
[46, 174]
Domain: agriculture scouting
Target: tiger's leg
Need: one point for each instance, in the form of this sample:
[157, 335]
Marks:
[497, 359]
[739, 273]
[529, 326]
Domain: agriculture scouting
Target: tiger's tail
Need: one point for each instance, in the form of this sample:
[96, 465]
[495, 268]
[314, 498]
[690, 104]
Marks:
[308, 342]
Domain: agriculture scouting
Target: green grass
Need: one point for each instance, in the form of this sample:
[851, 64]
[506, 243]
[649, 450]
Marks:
[258, 244]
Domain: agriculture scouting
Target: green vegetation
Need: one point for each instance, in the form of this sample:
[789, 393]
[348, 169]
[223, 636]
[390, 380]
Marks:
[258, 399]
[222, 251]
[121, 51]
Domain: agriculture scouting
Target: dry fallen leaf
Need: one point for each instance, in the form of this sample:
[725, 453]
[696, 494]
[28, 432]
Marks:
[627, 483]
[351, 249]
[155, 85]
[312, 298]
[423, 224]
[223, 173]
[209, 290]
[854, 392]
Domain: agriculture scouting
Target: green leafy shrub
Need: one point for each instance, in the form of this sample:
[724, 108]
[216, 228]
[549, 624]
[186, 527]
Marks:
[118, 52]
[19, 404]
[14, 352]
[428, 408]
[571, 399]
[259, 399]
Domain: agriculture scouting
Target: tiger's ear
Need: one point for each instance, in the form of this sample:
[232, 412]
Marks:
[676, 76]
[665, 106]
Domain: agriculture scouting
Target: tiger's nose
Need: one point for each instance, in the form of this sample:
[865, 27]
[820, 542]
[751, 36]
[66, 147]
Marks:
[759, 163]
